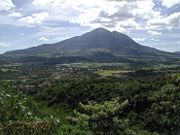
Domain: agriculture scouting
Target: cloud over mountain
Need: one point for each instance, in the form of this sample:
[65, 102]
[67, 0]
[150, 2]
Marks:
[60, 19]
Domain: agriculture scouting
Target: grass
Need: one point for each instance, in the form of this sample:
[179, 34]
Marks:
[98, 65]
[108, 73]
[59, 111]
[4, 70]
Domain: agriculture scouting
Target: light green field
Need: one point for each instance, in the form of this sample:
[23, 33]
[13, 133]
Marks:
[4, 70]
[97, 65]
[106, 73]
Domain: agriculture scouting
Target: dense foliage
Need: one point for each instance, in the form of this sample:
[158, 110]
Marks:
[145, 113]
[71, 100]
[20, 114]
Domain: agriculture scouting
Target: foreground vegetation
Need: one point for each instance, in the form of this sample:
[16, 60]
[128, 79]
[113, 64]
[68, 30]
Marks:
[89, 100]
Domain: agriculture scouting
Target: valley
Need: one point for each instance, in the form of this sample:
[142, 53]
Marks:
[86, 85]
[84, 98]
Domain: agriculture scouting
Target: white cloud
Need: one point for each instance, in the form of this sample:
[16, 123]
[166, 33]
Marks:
[170, 3]
[118, 28]
[4, 45]
[154, 32]
[174, 19]
[144, 9]
[130, 23]
[116, 11]
[15, 14]
[139, 39]
[6, 5]
[56, 34]
[43, 39]
[155, 40]
[52, 3]
[95, 13]
[7, 20]
[170, 21]
[34, 20]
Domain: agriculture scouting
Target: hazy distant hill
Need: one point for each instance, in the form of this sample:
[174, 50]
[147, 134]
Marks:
[178, 52]
[98, 45]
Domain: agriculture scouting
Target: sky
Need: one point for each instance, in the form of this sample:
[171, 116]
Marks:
[27, 23]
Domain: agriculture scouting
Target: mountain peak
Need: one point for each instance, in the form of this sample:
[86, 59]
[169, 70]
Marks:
[98, 40]
[101, 29]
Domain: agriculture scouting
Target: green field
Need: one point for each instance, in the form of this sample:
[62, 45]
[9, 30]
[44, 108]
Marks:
[109, 73]
[97, 65]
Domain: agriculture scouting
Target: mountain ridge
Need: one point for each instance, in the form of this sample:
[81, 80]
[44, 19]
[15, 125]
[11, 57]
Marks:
[99, 38]
[99, 45]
